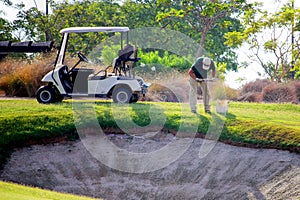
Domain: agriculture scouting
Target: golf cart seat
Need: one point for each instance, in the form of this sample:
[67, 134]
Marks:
[65, 79]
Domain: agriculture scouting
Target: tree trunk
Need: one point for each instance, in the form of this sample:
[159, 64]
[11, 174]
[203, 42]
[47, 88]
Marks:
[203, 36]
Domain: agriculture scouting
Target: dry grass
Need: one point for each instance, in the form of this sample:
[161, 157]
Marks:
[23, 77]
[172, 87]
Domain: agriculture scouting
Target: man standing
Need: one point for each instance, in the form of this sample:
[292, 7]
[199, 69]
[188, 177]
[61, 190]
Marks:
[197, 73]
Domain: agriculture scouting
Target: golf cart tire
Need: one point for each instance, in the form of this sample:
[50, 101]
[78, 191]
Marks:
[122, 94]
[46, 95]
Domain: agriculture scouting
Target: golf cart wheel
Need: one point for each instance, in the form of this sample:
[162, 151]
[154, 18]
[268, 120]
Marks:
[45, 94]
[121, 94]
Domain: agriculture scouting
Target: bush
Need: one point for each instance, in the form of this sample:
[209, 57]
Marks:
[23, 77]
[255, 86]
[278, 93]
[252, 92]
[169, 88]
[251, 97]
[267, 91]
[296, 88]
[167, 60]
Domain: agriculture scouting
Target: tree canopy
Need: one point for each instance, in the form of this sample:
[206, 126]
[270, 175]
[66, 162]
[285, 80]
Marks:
[207, 22]
[273, 39]
[218, 26]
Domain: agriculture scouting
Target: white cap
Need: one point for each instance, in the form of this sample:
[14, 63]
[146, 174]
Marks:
[206, 63]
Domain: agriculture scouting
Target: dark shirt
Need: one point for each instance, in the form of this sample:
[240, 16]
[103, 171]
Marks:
[198, 70]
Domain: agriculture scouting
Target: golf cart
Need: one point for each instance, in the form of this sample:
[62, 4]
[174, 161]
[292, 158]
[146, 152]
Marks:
[122, 85]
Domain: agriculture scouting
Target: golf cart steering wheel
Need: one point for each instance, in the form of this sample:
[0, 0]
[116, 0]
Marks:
[82, 57]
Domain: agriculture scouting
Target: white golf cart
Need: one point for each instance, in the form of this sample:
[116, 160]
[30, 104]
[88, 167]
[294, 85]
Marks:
[121, 84]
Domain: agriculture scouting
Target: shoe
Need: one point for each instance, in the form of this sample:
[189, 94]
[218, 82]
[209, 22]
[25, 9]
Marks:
[194, 111]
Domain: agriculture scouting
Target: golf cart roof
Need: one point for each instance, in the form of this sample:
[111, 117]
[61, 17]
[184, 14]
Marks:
[94, 29]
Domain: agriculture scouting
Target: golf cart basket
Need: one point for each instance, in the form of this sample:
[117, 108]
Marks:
[121, 65]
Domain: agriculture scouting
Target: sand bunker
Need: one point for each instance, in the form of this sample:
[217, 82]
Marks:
[228, 172]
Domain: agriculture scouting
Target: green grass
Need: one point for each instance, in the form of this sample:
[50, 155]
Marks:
[18, 192]
[25, 122]
[274, 125]
[285, 115]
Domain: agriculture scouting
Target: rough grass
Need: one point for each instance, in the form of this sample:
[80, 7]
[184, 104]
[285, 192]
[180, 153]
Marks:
[19, 192]
[25, 122]
[23, 77]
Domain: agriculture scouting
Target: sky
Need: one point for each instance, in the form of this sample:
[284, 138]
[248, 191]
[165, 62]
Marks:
[232, 79]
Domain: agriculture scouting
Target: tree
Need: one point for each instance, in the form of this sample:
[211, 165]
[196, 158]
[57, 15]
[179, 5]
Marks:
[209, 20]
[269, 36]
[5, 30]
[5, 25]
[140, 13]
[36, 25]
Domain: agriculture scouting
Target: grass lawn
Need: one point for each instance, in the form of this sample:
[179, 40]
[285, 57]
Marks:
[285, 115]
[18, 192]
[277, 125]
[24, 122]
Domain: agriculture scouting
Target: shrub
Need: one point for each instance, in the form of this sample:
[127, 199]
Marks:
[170, 88]
[278, 93]
[255, 86]
[296, 88]
[251, 97]
[252, 92]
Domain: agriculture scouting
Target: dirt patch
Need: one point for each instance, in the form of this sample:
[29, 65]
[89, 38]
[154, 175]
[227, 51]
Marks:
[228, 172]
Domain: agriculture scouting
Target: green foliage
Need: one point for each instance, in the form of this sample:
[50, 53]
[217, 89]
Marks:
[161, 60]
[207, 22]
[109, 53]
[5, 30]
[166, 60]
[234, 38]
